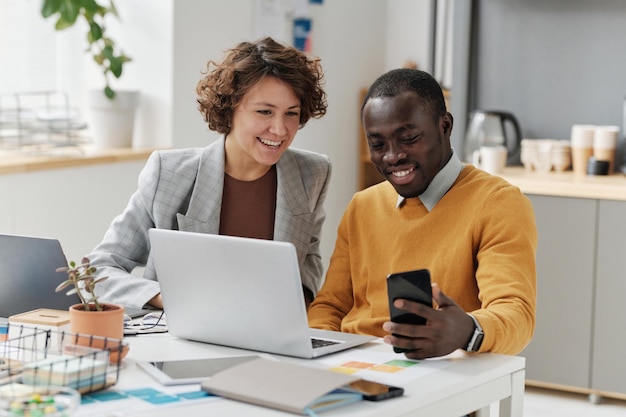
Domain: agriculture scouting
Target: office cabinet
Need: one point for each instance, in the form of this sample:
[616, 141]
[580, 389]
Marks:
[560, 352]
[581, 288]
[609, 330]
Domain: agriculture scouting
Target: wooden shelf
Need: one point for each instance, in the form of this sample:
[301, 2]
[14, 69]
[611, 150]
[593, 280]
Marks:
[567, 184]
[15, 162]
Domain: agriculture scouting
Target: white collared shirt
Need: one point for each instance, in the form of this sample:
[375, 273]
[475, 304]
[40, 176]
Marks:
[440, 185]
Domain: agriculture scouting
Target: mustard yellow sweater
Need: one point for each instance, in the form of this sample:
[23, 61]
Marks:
[479, 243]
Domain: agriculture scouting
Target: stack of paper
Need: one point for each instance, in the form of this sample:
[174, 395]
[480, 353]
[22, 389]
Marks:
[69, 371]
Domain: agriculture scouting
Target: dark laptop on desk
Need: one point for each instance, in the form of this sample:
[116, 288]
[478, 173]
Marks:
[238, 292]
[28, 275]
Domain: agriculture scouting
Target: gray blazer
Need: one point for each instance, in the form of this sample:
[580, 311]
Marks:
[182, 190]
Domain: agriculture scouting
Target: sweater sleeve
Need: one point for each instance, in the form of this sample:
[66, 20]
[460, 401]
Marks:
[506, 271]
[335, 297]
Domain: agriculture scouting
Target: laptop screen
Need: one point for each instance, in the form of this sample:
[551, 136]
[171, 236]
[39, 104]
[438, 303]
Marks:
[28, 276]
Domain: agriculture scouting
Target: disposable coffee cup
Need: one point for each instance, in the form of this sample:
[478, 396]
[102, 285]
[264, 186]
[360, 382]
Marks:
[581, 141]
[582, 136]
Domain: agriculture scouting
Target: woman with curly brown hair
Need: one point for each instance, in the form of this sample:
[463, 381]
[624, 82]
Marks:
[249, 183]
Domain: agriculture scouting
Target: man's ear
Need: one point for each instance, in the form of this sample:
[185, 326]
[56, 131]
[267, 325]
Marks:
[446, 123]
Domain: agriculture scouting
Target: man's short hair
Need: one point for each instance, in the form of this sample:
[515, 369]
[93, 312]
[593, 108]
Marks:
[401, 80]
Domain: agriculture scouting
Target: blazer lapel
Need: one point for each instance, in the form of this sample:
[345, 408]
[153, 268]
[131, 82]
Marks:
[203, 214]
[291, 201]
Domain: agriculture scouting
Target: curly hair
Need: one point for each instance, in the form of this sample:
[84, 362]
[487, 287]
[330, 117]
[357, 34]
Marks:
[221, 90]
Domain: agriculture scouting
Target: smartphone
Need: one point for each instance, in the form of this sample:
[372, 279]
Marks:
[411, 285]
[374, 391]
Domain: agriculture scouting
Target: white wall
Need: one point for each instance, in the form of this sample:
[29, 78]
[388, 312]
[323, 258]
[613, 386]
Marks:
[74, 205]
[408, 33]
[203, 30]
[144, 32]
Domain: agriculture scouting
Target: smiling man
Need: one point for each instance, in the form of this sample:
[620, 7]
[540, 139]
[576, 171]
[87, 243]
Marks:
[475, 233]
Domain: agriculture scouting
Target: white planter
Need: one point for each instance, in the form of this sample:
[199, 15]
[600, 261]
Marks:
[112, 121]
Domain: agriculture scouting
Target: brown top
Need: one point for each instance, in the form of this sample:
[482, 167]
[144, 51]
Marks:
[249, 207]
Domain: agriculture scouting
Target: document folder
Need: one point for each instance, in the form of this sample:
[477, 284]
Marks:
[284, 386]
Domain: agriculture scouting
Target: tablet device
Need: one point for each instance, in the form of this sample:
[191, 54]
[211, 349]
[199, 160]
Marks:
[190, 371]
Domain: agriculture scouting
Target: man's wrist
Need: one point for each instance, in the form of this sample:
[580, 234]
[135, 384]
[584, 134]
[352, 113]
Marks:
[476, 340]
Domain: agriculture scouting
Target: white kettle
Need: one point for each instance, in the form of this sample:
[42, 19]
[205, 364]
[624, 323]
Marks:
[493, 128]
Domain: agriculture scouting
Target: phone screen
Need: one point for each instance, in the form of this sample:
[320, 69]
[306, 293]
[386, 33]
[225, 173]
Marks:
[411, 285]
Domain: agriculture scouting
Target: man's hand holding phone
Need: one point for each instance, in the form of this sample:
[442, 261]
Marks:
[418, 329]
[413, 286]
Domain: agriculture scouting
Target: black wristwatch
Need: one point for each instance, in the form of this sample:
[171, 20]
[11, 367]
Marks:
[477, 336]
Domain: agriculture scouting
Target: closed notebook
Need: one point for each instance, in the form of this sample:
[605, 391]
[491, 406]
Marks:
[284, 386]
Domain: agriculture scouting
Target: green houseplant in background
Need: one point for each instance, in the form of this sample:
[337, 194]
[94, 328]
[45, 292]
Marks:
[112, 112]
[103, 49]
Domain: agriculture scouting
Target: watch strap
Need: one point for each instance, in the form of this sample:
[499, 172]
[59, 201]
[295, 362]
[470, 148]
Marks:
[477, 337]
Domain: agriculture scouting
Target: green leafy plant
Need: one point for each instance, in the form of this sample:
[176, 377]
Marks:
[82, 279]
[101, 47]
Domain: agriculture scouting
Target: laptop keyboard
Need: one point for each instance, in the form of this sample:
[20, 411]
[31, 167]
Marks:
[317, 343]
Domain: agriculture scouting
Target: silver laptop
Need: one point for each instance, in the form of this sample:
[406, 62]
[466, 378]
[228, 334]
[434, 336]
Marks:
[238, 292]
[28, 275]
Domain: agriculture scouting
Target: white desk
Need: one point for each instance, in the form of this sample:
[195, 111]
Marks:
[471, 382]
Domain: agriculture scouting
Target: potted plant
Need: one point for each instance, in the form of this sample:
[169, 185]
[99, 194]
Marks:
[91, 316]
[107, 103]
[103, 49]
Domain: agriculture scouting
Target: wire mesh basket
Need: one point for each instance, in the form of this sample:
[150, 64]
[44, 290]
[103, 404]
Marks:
[39, 121]
[39, 357]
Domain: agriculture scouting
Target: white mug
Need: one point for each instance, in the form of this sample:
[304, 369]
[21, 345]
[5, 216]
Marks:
[490, 158]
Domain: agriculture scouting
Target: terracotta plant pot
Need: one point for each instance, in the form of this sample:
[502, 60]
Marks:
[106, 323]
